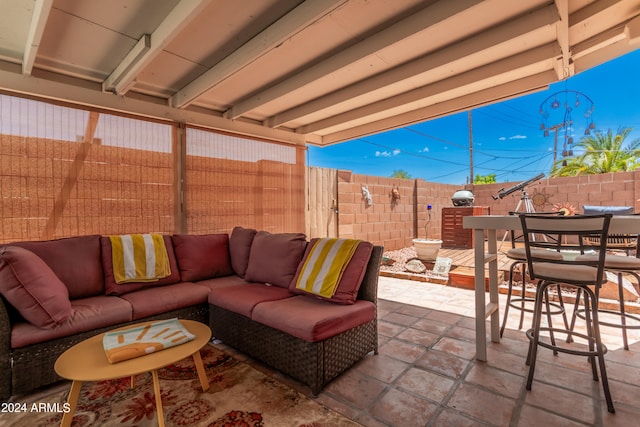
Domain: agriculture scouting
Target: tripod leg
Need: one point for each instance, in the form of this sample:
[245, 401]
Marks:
[506, 233]
[529, 205]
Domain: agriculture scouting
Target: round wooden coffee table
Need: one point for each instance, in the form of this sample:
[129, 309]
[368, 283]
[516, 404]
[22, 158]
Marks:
[87, 361]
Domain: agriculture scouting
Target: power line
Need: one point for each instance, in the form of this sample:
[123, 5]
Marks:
[512, 170]
[410, 153]
[475, 150]
[517, 110]
[435, 138]
[511, 121]
[446, 174]
[515, 150]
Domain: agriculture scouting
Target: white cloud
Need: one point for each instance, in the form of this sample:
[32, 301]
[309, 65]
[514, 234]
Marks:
[518, 137]
[424, 150]
[395, 152]
[502, 138]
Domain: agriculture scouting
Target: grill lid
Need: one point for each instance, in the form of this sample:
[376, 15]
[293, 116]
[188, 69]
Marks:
[463, 198]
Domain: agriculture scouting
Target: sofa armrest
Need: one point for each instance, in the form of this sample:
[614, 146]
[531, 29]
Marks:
[369, 288]
[5, 351]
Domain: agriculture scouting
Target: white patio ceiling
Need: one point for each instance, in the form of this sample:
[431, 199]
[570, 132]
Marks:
[314, 71]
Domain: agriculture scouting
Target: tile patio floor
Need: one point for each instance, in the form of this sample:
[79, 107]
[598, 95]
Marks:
[426, 373]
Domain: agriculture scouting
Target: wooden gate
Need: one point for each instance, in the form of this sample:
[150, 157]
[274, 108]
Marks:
[322, 202]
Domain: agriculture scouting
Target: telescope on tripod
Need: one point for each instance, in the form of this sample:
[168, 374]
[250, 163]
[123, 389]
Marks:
[528, 204]
[502, 193]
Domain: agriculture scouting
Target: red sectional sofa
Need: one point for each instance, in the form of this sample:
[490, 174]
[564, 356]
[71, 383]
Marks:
[57, 293]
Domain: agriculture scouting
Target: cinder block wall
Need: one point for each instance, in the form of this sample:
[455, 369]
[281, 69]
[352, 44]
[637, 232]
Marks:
[608, 189]
[54, 189]
[388, 221]
[394, 223]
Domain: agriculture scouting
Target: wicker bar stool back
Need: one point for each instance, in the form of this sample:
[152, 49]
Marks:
[570, 272]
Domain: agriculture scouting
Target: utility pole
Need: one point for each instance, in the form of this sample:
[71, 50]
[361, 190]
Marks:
[555, 130]
[470, 147]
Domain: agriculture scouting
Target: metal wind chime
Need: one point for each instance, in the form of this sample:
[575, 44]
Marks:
[556, 112]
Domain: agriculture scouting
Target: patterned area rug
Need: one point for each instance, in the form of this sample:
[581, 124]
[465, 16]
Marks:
[238, 396]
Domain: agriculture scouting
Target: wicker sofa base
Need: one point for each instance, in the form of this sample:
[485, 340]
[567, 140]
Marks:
[312, 363]
[33, 365]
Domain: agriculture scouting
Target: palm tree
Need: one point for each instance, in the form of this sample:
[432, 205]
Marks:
[602, 153]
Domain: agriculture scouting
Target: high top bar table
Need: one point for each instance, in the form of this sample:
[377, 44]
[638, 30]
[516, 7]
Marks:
[485, 227]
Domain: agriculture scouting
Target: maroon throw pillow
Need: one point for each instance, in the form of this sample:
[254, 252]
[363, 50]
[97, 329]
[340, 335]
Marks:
[113, 288]
[30, 286]
[202, 256]
[239, 249]
[75, 260]
[347, 290]
[274, 258]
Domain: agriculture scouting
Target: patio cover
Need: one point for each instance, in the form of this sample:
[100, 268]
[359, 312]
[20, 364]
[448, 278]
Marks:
[315, 71]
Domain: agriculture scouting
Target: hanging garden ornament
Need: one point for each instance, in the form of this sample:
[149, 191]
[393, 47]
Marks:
[556, 112]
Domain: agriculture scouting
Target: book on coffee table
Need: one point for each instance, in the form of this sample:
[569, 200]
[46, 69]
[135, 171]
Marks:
[137, 341]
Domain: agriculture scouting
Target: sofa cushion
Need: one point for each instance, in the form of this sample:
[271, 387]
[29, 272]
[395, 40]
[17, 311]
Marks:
[312, 319]
[349, 285]
[202, 257]
[113, 288]
[152, 301]
[33, 288]
[240, 247]
[242, 299]
[613, 210]
[75, 260]
[274, 258]
[222, 282]
[88, 314]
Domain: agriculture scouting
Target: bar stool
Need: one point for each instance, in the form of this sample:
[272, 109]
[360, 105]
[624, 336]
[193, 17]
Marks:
[578, 273]
[619, 265]
[519, 257]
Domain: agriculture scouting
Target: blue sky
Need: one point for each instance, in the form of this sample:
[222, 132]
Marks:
[507, 139]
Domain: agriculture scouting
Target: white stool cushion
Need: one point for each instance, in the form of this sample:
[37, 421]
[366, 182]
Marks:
[614, 262]
[520, 254]
[565, 272]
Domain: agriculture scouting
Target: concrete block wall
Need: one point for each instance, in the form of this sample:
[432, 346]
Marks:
[52, 189]
[221, 194]
[395, 223]
[608, 189]
[49, 190]
[390, 222]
